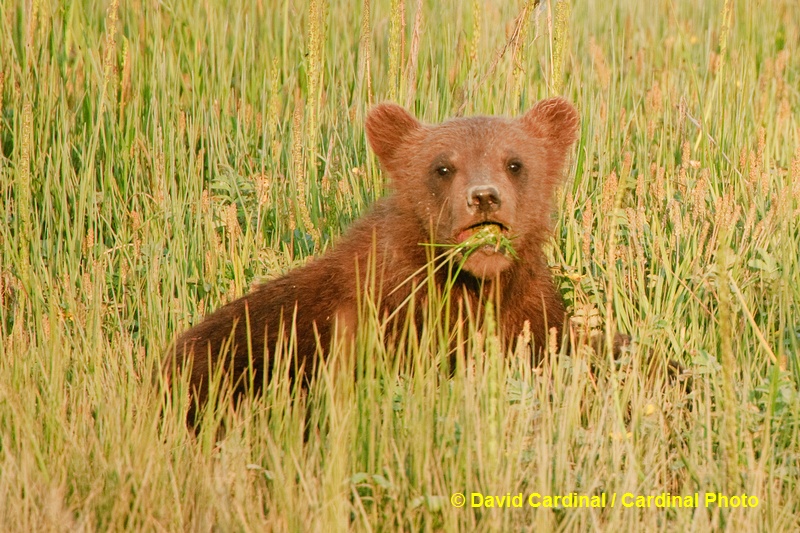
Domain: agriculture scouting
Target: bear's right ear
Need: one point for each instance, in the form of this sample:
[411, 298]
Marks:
[388, 126]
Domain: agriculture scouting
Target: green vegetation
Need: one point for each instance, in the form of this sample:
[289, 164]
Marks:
[490, 236]
[158, 157]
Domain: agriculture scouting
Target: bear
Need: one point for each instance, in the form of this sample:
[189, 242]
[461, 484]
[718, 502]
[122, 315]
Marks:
[447, 182]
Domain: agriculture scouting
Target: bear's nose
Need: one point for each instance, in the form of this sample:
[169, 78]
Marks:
[485, 198]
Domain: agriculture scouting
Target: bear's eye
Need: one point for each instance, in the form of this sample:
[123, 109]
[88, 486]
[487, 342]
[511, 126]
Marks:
[514, 167]
[444, 171]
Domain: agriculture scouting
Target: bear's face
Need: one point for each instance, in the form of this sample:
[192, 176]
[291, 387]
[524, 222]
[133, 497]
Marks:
[466, 173]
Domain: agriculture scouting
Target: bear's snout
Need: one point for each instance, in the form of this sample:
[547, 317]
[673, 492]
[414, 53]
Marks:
[483, 199]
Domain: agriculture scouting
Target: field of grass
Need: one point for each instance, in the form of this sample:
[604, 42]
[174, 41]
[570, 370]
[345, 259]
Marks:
[157, 157]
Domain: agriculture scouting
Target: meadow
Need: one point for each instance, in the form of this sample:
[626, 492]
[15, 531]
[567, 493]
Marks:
[159, 157]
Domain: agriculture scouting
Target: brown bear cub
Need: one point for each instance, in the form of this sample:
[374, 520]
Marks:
[448, 181]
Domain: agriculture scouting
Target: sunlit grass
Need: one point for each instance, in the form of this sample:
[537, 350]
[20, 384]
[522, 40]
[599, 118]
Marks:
[158, 158]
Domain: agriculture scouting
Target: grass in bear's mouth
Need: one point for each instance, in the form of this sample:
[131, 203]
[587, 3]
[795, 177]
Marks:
[485, 235]
[490, 235]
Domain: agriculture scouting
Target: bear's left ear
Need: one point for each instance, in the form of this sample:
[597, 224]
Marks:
[554, 119]
[388, 127]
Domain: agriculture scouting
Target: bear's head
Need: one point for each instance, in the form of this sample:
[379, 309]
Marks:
[456, 177]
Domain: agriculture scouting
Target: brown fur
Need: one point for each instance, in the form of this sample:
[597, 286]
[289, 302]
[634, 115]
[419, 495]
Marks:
[481, 183]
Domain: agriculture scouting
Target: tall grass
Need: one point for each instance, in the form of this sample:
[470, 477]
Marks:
[157, 158]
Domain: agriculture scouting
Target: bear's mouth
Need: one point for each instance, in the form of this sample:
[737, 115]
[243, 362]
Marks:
[469, 231]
